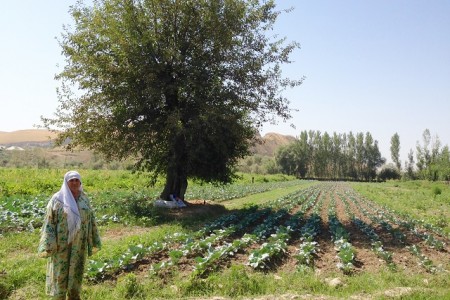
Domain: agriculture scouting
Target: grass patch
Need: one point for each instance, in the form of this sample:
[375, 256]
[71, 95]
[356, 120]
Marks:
[238, 281]
[20, 266]
[258, 199]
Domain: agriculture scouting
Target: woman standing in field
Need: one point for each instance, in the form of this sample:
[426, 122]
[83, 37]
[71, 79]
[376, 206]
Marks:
[69, 235]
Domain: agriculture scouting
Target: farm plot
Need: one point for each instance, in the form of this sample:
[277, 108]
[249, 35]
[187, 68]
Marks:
[327, 227]
[24, 212]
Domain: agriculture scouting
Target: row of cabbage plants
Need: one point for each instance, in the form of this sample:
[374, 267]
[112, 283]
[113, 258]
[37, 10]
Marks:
[394, 225]
[369, 231]
[217, 241]
[276, 244]
[428, 233]
[263, 235]
[346, 253]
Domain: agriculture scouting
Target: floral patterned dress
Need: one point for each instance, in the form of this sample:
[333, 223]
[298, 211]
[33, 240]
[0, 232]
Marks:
[65, 267]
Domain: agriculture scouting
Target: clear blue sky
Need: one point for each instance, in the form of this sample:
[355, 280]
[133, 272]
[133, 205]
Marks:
[380, 66]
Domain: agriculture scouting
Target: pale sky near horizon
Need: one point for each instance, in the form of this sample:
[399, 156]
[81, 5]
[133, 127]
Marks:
[377, 66]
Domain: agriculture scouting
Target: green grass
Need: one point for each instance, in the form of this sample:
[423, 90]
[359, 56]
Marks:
[46, 181]
[19, 264]
[237, 281]
[259, 199]
[417, 199]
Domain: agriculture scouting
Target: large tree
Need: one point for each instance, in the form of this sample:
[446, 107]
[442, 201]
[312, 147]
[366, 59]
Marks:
[182, 85]
[373, 158]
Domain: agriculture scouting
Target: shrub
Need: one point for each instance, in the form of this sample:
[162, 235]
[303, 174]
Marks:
[129, 287]
[5, 290]
[389, 172]
[436, 190]
[239, 283]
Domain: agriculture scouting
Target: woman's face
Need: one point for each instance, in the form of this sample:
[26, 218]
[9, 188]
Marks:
[74, 186]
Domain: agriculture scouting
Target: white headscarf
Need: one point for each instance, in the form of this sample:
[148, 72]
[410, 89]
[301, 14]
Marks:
[70, 205]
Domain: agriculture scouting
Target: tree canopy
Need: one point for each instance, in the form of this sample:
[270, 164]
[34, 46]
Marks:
[181, 85]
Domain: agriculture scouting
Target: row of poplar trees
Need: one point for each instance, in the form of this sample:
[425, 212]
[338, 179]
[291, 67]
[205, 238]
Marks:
[338, 156]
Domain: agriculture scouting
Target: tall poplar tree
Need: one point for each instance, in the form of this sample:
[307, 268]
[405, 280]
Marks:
[395, 150]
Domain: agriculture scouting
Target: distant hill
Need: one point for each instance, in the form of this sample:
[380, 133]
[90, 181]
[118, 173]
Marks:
[268, 145]
[28, 137]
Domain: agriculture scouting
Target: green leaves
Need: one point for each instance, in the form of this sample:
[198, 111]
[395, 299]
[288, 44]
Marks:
[424, 261]
[18, 215]
[97, 269]
[274, 247]
[308, 248]
[212, 257]
[305, 255]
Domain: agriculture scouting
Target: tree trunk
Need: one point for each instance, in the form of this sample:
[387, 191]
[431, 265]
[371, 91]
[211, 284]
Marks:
[176, 185]
[176, 177]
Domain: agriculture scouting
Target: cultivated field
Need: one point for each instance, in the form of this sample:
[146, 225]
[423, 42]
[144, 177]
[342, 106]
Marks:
[267, 240]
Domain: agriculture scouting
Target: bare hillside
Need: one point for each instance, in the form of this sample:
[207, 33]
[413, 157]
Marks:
[271, 142]
[268, 145]
[26, 136]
